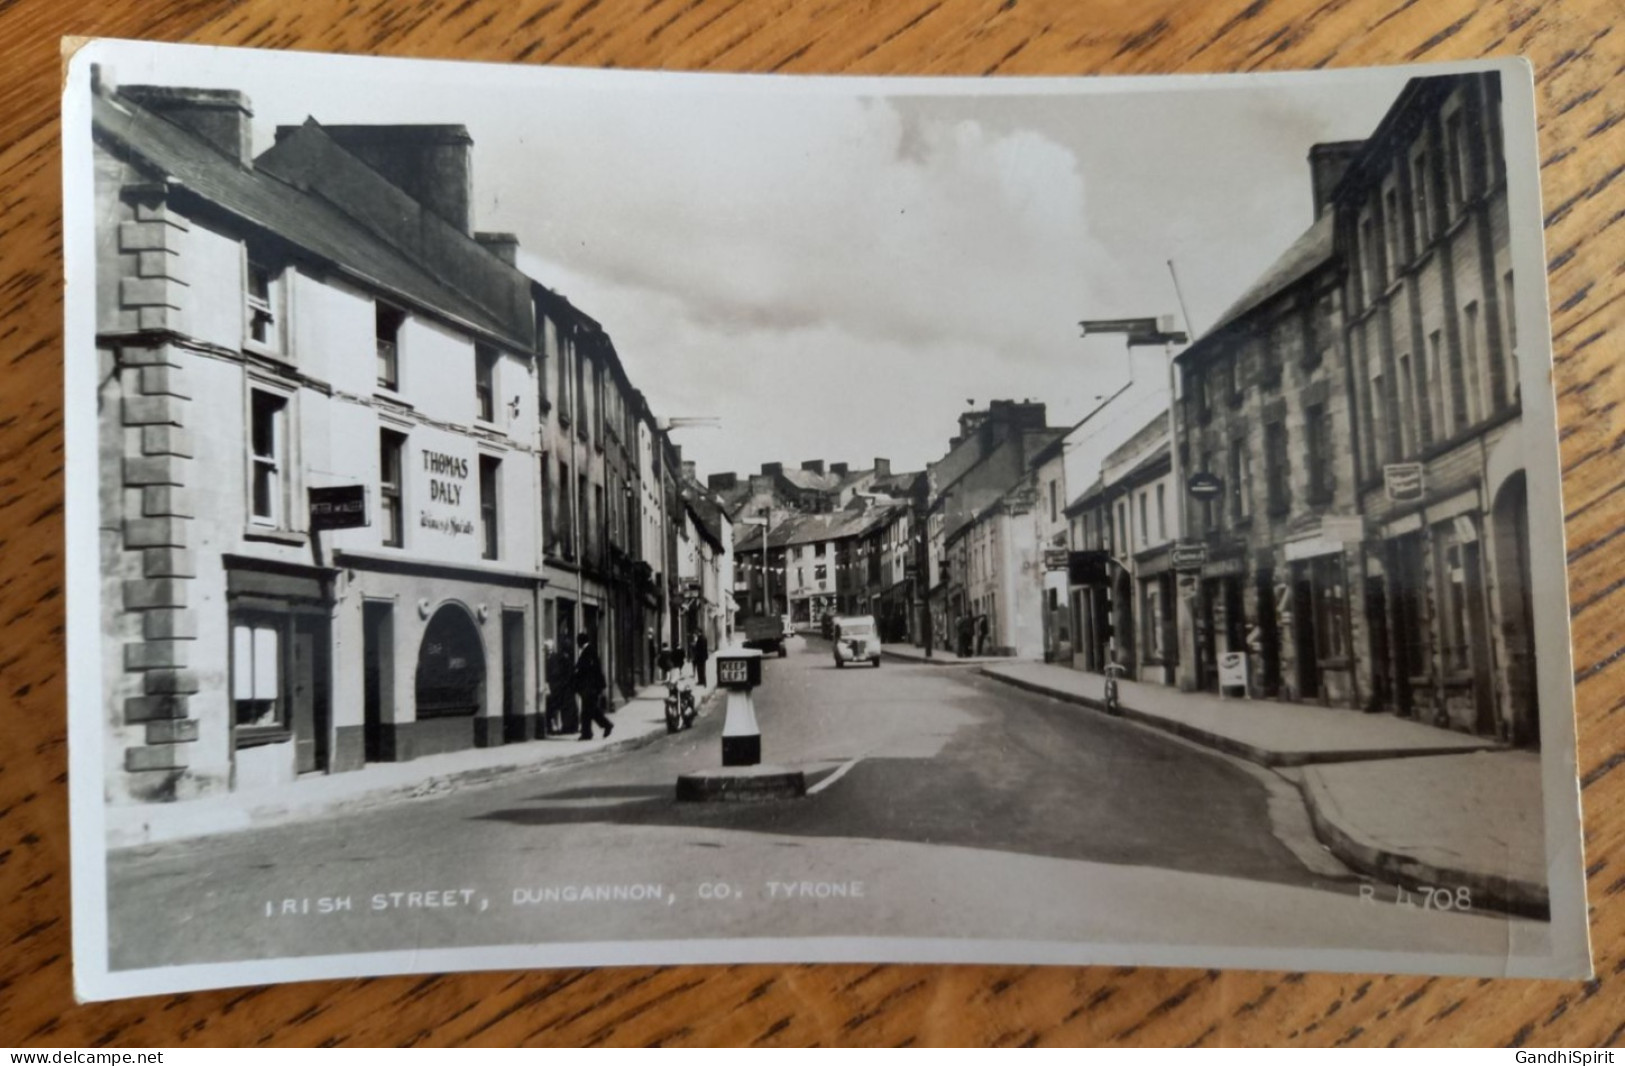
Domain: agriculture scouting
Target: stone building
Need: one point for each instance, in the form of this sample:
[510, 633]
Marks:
[1359, 407]
[270, 327]
[1422, 220]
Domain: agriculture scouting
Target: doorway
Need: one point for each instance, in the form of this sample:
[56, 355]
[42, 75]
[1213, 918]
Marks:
[513, 677]
[378, 680]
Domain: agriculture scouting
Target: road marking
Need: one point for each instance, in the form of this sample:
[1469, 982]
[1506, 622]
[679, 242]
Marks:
[839, 773]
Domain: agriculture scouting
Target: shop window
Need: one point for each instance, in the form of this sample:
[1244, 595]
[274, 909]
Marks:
[485, 365]
[1152, 621]
[391, 446]
[268, 432]
[490, 520]
[387, 339]
[258, 703]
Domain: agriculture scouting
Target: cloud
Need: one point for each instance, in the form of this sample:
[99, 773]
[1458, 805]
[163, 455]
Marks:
[768, 214]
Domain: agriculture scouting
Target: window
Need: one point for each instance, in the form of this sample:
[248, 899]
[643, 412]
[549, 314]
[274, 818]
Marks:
[1433, 403]
[1472, 345]
[598, 405]
[581, 396]
[267, 438]
[390, 447]
[388, 338]
[567, 519]
[1458, 388]
[567, 355]
[1241, 482]
[1162, 511]
[489, 524]
[1122, 529]
[598, 521]
[1391, 232]
[1318, 429]
[1371, 268]
[1515, 390]
[821, 572]
[1054, 506]
[1420, 217]
[821, 549]
[550, 529]
[1455, 164]
[256, 672]
[1407, 425]
[485, 367]
[1276, 468]
[1145, 526]
[262, 287]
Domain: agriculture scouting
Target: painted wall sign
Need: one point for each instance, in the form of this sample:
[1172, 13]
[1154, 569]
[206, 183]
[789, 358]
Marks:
[448, 500]
[1204, 486]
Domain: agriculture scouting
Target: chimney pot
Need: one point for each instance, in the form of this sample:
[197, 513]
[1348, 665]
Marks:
[431, 164]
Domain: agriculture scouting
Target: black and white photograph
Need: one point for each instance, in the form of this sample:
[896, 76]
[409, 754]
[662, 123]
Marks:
[526, 517]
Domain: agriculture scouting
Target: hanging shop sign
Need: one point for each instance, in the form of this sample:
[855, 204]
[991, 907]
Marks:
[1204, 486]
[1403, 481]
[338, 507]
[1189, 556]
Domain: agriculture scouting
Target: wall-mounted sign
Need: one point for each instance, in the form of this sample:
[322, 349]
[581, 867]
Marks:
[1403, 481]
[1204, 486]
[1189, 556]
[441, 484]
[338, 507]
[1056, 558]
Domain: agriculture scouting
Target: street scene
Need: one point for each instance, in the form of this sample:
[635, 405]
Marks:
[944, 803]
[901, 520]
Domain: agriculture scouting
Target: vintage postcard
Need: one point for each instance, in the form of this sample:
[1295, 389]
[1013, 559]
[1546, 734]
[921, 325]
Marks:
[528, 517]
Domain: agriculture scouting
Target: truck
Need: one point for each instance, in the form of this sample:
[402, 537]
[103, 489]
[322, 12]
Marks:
[765, 633]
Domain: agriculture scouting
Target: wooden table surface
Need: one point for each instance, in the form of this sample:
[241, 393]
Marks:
[1578, 55]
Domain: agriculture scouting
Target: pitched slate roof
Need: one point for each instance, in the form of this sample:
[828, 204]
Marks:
[1313, 248]
[304, 219]
[811, 528]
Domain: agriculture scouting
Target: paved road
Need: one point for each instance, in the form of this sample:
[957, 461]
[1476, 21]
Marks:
[946, 805]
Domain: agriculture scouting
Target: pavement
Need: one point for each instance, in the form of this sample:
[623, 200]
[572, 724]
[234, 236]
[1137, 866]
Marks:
[941, 656]
[638, 721]
[1430, 808]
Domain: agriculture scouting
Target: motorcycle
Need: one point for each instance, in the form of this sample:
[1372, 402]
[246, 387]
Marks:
[680, 709]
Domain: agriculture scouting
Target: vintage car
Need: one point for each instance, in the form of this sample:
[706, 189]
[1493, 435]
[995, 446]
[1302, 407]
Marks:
[856, 640]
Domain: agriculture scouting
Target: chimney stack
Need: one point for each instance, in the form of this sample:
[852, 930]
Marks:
[219, 116]
[432, 164]
[688, 470]
[882, 468]
[1327, 164]
[815, 465]
[839, 469]
[773, 469]
[722, 482]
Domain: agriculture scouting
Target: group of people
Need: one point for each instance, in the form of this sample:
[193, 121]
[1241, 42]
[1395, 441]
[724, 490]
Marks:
[970, 635]
[576, 682]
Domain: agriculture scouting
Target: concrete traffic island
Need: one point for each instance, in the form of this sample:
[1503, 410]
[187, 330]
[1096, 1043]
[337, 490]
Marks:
[741, 784]
[742, 777]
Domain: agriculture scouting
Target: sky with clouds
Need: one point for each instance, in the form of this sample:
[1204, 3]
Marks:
[836, 268]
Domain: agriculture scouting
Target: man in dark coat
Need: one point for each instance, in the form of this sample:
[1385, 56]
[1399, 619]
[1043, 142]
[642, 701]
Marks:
[559, 696]
[588, 681]
[700, 651]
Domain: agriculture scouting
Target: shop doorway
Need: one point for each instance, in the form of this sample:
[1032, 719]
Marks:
[513, 677]
[308, 694]
[1511, 518]
[1304, 636]
[378, 679]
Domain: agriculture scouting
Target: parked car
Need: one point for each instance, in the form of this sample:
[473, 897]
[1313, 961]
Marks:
[856, 640]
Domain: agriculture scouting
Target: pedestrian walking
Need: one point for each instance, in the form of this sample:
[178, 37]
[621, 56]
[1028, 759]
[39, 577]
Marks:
[700, 651]
[588, 681]
[981, 634]
[560, 695]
